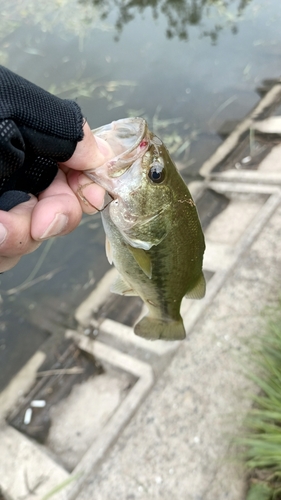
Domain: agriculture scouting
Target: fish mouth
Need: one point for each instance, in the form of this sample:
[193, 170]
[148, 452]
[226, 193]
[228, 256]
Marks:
[128, 140]
[123, 136]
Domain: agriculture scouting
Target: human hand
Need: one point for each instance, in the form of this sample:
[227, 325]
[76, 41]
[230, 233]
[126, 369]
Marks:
[58, 209]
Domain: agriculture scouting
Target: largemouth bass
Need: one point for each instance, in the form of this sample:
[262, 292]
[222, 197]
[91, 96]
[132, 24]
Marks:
[153, 233]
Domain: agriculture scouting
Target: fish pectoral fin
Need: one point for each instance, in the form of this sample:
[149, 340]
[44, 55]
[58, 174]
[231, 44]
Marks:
[121, 287]
[199, 290]
[143, 260]
[108, 250]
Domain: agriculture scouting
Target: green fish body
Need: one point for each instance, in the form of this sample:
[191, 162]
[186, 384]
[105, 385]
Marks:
[153, 233]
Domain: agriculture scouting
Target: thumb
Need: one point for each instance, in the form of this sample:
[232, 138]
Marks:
[90, 153]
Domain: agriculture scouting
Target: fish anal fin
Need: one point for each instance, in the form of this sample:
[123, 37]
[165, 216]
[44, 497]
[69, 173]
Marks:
[199, 290]
[121, 287]
[157, 329]
[108, 250]
[143, 260]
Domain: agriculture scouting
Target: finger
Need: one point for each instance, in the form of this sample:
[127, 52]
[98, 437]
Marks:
[58, 211]
[57, 187]
[90, 153]
[6, 263]
[15, 233]
[89, 194]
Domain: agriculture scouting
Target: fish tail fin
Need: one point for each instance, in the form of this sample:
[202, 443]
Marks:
[156, 329]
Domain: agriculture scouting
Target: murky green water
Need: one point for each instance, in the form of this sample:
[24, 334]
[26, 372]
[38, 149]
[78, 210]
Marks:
[185, 65]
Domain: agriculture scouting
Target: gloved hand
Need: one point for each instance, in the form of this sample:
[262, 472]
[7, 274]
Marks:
[44, 145]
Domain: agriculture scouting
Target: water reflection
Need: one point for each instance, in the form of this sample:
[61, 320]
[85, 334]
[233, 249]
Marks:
[179, 14]
[211, 16]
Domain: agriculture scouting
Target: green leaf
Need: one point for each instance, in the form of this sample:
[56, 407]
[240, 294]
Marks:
[259, 491]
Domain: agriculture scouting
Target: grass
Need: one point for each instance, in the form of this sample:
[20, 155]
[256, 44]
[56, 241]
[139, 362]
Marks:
[60, 487]
[262, 440]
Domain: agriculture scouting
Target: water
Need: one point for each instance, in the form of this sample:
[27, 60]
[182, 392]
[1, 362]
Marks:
[186, 70]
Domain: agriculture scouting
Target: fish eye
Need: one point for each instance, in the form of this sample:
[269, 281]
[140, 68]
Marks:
[156, 172]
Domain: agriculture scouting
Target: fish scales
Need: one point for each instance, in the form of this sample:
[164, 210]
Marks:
[154, 236]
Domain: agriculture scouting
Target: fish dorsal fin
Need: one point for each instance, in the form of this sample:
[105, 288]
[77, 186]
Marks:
[143, 260]
[108, 250]
[199, 290]
[121, 287]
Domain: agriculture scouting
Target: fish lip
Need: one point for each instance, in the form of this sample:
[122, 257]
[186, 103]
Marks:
[143, 132]
[137, 131]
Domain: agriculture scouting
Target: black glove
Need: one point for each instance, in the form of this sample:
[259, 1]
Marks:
[37, 130]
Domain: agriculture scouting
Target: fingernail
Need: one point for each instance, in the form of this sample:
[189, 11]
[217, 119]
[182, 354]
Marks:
[56, 227]
[3, 233]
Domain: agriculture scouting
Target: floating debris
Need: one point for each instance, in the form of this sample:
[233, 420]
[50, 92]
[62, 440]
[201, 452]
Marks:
[27, 416]
[247, 159]
[38, 403]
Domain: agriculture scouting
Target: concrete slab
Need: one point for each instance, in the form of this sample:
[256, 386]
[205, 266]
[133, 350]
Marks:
[261, 176]
[30, 471]
[232, 141]
[229, 226]
[179, 444]
[272, 162]
[97, 451]
[217, 255]
[25, 470]
[80, 418]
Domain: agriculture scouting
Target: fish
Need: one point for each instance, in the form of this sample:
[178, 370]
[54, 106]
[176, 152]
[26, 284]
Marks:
[153, 233]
